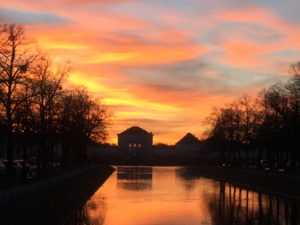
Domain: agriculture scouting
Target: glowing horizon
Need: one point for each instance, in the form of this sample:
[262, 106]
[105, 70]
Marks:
[163, 64]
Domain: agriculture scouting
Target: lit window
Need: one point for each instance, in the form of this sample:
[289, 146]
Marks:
[130, 145]
[139, 145]
[134, 145]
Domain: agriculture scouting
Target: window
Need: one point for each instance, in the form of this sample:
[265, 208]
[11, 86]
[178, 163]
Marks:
[134, 145]
[139, 145]
[130, 145]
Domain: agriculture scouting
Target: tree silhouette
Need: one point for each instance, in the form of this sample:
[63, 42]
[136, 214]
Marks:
[38, 115]
[15, 59]
[269, 124]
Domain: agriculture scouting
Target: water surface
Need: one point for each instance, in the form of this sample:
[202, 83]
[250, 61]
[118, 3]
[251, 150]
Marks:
[174, 196]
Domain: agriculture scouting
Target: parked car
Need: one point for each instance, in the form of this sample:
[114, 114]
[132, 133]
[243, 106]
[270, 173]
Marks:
[265, 165]
[32, 167]
[2, 167]
[32, 163]
[226, 165]
[17, 165]
[280, 167]
[4, 161]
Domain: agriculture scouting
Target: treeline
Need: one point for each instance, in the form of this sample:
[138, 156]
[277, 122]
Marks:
[264, 127]
[40, 118]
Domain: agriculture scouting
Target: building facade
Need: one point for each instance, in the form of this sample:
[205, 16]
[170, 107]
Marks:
[135, 143]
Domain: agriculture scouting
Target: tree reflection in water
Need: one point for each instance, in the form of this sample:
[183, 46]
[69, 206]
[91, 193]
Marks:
[92, 213]
[159, 196]
[234, 205]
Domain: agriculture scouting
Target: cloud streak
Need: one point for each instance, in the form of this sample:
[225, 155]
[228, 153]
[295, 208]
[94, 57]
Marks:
[28, 17]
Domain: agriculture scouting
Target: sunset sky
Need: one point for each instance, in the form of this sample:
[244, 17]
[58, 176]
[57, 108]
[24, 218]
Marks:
[163, 64]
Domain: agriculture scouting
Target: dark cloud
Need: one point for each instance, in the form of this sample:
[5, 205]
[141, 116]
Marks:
[184, 76]
[81, 2]
[179, 76]
[29, 17]
[256, 33]
[192, 79]
[289, 9]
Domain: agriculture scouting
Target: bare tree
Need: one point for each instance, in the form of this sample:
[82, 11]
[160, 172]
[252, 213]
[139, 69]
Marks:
[82, 120]
[16, 57]
[270, 123]
[46, 87]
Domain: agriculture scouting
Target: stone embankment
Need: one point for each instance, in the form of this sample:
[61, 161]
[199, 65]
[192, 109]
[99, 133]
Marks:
[275, 183]
[50, 202]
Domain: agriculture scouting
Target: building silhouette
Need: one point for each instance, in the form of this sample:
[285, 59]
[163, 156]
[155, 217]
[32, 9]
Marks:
[135, 143]
[188, 148]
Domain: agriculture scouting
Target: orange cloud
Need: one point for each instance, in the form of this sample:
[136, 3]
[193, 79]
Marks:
[161, 66]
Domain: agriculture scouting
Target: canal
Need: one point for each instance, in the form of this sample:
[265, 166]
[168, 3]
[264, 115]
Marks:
[174, 196]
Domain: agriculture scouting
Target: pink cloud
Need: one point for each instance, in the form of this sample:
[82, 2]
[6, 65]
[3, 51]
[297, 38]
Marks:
[128, 57]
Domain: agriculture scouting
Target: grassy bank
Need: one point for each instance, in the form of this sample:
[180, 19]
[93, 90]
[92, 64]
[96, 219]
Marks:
[278, 184]
[52, 205]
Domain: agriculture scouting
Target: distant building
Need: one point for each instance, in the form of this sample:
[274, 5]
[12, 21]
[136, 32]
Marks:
[164, 152]
[188, 148]
[135, 142]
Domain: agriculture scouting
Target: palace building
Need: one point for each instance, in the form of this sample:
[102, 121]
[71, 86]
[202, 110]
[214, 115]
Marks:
[135, 142]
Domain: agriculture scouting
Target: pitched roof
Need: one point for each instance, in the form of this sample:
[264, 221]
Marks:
[188, 139]
[135, 130]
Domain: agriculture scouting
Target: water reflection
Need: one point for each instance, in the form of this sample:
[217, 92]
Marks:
[188, 178]
[235, 205]
[80, 217]
[175, 196]
[231, 204]
[134, 178]
[92, 213]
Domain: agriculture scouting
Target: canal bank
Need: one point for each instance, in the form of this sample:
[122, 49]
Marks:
[51, 205]
[278, 184]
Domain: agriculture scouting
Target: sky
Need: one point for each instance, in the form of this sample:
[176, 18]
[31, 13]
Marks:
[164, 64]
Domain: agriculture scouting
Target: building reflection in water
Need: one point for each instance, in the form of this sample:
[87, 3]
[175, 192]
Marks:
[92, 213]
[134, 178]
[234, 205]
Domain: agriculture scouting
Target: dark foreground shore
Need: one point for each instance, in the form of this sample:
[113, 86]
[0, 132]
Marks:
[52, 205]
[277, 184]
